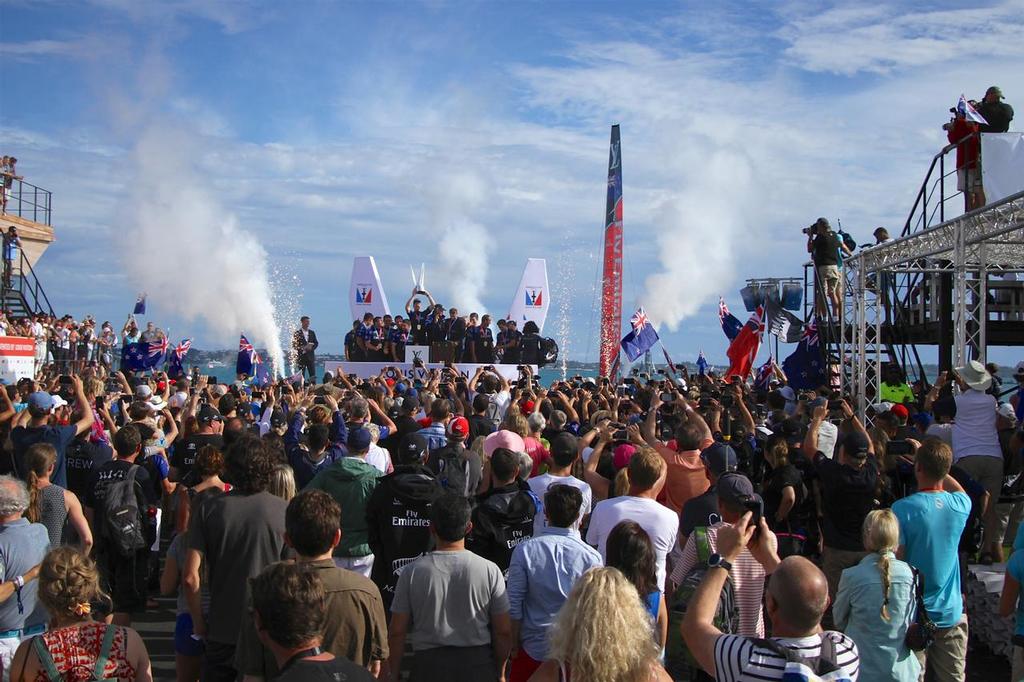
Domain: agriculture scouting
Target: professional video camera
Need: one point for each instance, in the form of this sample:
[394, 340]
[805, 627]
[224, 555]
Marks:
[812, 230]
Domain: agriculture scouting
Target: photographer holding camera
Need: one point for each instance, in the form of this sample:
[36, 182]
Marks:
[825, 248]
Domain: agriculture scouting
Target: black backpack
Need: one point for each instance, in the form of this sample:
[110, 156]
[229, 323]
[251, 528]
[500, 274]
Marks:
[452, 466]
[548, 352]
[123, 524]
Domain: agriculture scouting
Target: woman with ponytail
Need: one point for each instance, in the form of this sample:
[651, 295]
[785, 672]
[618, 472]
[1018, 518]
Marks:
[875, 604]
[56, 508]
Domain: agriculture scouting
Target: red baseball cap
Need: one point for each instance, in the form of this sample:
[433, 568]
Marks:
[526, 407]
[900, 411]
[459, 427]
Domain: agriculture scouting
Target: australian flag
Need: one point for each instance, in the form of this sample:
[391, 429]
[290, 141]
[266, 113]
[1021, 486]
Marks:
[141, 356]
[805, 368]
[641, 338]
[140, 305]
[176, 357]
[730, 325]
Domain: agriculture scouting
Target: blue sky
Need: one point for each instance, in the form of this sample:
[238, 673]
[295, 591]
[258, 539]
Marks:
[183, 140]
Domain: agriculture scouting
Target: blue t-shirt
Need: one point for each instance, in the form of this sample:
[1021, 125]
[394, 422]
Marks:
[930, 528]
[1015, 567]
[652, 604]
[23, 437]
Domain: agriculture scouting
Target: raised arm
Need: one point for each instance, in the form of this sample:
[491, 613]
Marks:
[87, 418]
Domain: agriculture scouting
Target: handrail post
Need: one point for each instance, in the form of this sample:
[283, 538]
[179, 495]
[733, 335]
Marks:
[942, 189]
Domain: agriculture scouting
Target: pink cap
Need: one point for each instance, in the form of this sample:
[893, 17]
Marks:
[622, 454]
[503, 439]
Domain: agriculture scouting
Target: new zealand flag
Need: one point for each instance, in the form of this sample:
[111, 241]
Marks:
[730, 324]
[805, 369]
[141, 356]
[642, 337]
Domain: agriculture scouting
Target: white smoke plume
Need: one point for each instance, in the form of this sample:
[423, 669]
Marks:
[699, 233]
[188, 252]
[465, 245]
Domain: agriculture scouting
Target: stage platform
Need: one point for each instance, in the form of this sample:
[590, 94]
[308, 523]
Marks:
[366, 370]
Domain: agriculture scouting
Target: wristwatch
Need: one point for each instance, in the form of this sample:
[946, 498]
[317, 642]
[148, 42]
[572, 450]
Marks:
[716, 561]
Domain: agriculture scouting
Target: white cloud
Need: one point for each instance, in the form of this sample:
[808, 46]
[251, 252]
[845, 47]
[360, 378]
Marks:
[725, 157]
[880, 39]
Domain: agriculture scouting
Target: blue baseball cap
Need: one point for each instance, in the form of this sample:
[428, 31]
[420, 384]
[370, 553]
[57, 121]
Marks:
[41, 401]
[400, 388]
[358, 440]
[719, 458]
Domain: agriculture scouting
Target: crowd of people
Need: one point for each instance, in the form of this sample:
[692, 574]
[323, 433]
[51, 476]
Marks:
[455, 338]
[473, 528]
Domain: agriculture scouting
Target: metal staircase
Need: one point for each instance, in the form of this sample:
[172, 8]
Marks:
[21, 293]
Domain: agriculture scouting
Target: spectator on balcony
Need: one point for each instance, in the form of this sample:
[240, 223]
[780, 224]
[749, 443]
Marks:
[8, 175]
[11, 245]
[996, 112]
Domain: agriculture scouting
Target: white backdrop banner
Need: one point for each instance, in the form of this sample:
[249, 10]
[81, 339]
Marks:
[532, 298]
[1002, 164]
[366, 370]
[365, 293]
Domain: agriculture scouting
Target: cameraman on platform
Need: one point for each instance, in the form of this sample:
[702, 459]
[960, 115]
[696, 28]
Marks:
[825, 248]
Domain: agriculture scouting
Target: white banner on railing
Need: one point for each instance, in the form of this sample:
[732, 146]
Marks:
[1002, 164]
[17, 358]
[366, 370]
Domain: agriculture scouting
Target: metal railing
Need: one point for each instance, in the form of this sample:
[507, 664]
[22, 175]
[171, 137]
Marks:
[25, 200]
[20, 278]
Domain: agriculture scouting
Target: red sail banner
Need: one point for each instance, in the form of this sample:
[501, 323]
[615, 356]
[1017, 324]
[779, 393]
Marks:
[611, 281]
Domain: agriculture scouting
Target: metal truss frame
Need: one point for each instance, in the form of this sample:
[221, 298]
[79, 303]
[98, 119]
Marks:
[989, 239]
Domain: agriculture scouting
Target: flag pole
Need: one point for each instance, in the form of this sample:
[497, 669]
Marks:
[664, 352]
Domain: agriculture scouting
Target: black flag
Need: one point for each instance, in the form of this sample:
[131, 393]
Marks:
[782, 323]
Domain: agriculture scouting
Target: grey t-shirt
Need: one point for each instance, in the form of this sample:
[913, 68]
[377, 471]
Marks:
[238, 535]
[450, 597]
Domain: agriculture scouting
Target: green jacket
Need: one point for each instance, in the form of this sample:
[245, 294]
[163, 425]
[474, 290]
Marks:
[350, 481]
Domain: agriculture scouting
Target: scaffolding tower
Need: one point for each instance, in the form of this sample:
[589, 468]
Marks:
[968, 250]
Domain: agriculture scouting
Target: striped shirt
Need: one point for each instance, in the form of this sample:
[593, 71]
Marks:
[747, 580]
[738, 659]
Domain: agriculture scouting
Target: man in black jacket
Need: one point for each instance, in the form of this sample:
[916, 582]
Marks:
[503, 516]
[995, 111]
[305, 345]
[398, 518]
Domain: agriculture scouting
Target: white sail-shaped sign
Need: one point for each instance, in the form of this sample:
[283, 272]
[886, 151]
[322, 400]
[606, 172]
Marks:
[533, 297]
[365, 293]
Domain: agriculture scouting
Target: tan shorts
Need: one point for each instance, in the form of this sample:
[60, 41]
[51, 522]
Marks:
[968, 179]
[828, 276]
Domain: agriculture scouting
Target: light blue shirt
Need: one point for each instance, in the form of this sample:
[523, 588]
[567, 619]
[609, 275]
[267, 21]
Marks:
[1018, 542]
[540, 577]
[1015, 568]
[22, 546]
[930, 528]
[857, 612]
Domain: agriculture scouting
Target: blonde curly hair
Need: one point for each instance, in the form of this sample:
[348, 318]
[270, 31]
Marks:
[68, 582]
[515, 422]
[603, 632]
